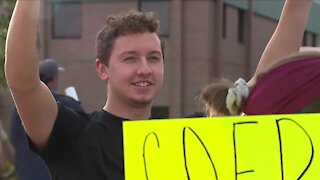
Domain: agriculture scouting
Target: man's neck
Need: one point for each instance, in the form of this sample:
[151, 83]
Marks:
[128, 112]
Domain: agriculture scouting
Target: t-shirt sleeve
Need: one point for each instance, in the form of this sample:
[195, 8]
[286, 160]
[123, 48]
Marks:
[67, 130]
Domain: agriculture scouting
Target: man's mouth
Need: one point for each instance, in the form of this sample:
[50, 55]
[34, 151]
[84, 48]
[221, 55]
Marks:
[142, 83]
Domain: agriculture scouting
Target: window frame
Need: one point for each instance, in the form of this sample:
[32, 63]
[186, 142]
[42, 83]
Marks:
[53, 22]
[167, 33]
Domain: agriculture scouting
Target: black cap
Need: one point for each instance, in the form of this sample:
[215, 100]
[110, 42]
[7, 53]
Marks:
[48, 68]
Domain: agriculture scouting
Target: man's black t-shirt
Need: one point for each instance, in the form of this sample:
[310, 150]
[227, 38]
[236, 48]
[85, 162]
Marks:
[85, 146]
[68, 101]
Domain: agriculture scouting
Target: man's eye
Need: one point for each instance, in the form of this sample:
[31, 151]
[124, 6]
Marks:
[129, 59]
[154, 59]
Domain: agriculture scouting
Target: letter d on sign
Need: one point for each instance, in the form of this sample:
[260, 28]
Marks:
[296, 149]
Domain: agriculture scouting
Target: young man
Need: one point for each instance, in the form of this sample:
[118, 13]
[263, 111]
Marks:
[78, 145]
[130, 61]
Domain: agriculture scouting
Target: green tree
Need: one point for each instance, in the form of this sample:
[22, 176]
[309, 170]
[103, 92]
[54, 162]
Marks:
[7, 6]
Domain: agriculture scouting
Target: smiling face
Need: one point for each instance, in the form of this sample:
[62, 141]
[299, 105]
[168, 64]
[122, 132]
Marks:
[134, 73]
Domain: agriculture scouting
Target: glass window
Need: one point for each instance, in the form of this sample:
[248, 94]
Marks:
[241, 21]
[314, 40]
[66, 20]
[161, 8]
[305, 39]
[224, 21]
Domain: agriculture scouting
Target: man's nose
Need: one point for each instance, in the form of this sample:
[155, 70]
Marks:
[144, 67]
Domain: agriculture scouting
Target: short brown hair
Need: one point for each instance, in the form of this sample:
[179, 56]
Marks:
[131, 22]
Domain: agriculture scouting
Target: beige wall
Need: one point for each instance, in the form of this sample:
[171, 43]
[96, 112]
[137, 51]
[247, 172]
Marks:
[197, 50]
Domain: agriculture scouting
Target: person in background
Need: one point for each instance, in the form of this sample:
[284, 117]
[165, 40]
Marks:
[29, 166]
[7, 168]
[226, 98]
[49, 74]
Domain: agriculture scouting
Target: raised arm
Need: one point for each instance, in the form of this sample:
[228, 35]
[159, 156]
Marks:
[288, 35]
[34, 101]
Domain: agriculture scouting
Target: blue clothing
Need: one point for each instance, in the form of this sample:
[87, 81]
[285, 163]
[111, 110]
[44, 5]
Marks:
[29, 166]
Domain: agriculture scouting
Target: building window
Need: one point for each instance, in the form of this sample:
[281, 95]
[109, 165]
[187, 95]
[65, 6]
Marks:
[162, 9]
[241, 22]
[66, 20]
[305, 39]
[160, 112]
[224, 21]
[314, 40]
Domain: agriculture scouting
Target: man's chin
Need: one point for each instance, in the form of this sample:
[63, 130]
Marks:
[142, 102]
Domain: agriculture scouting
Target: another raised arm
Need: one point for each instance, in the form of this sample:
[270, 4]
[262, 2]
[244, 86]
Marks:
[288, 35]
[34, 101]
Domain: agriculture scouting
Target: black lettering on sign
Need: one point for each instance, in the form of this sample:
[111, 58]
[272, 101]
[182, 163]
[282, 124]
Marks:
[281, 147]
[235, 147]
[184, 141]
[144, 151]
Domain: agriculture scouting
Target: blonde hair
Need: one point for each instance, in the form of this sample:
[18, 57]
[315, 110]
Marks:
[213, 97]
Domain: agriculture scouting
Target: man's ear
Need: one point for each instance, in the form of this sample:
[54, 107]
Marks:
[102, 70]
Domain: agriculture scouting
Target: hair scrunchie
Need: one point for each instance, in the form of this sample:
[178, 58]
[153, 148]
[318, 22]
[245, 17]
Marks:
[236, 96]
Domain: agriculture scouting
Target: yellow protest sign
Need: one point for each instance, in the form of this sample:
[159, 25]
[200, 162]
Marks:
[277, 147]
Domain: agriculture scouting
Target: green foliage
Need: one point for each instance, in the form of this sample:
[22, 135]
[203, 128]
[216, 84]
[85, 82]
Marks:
[5, 16]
